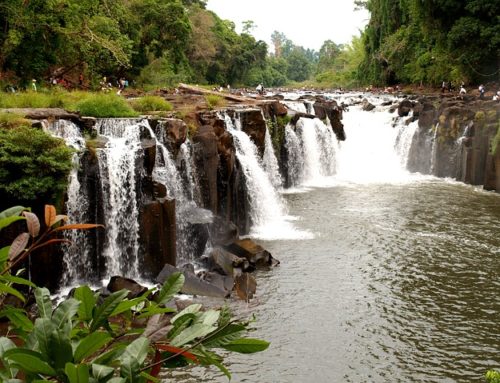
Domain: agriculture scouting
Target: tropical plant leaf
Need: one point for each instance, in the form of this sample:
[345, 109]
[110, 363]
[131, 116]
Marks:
[117, 380]
[60, 348]
[4, 256]
[42, 330]
[33, 223]
[102, 313]
[59, 218]
[42, 298]
[18, 245]
[7, 344]
[90, 344]
[171, 287]
[191, 309]
[127, 305]
[196, 331]
[154, 309]
[17, 280]
[87, 302]
[210, 317]
[4, 222]
[50, 215]
[246, 345]
[12, 211]
[225, 335]
[4, 288]
[64, 313]
[133, 357]
[18, 318]
[177, 350]
[102, 373]
[78, 226]
[150, 378]
[77, 374]
[29, 361]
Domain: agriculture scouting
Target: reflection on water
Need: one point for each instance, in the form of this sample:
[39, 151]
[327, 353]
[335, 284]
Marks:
[400, 283]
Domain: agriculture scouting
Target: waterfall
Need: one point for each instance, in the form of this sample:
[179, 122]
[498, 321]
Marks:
[311, 152]
[404, 140]
[270, 162]
[434, 149]
[118, 162]
[77, 261]
[267, 209]
[309, 107]
[370, 155]
[185, 162]
[298, 106]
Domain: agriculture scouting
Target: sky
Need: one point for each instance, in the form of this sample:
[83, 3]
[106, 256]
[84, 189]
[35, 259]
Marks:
[306, 22]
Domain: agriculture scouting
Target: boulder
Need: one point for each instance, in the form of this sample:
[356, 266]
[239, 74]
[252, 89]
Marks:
[207, 163]
[173, 132]
[223, 282]
[192, 285]
[245, 286]
[118, 283]
[227, 262]
[253, 124]
[222, 231]
[405, 108]
[367, 106]
[253, 252]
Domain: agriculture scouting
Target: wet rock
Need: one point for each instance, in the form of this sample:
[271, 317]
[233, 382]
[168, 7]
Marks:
[222, 231]
[330, 109]
[174, 133]
[253, 124]
[227, 262]
[405, 108]
[118, 283]
[207, 163]
[245, 286]
[223, 282]
[253, 252]
[192, 285]
[367, 106]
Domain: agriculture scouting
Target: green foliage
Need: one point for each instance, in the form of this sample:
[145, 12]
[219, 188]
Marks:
[427, 43]
[493, 376]
[31, 100]
[12, 120]
[214, 101]
[105, 105]
[33, 165]
[151, 104]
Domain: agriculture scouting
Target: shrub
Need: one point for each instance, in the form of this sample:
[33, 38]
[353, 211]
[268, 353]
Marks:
[104, 105]
[151, 104]
[33, 165]
[12, 120]
[214, 101]
[31, 100]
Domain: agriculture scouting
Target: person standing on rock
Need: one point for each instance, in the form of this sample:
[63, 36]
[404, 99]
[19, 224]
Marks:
[33, 85]
[462, 89]
[443, 86]
[481, 92]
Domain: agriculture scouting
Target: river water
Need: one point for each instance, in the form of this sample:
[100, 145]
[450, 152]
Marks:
[399, 281]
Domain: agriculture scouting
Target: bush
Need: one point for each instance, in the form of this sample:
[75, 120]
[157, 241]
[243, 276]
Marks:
[33, 166]
[214, 101]
[31, 100]
[104, 105]
[151, 104]
[12, 120]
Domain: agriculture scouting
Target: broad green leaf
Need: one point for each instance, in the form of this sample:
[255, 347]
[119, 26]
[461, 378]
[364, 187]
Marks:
[127, 305]
[150, 378]
[117, 380]
[42, 297]
[29, 361]
[101, 373]
[87, 302]
[246, 345]
[196, 331]
[61, 351]
[77, 374]
[10, 290]
[137, 350]
[18, 318]
[180, 324]
[4, 222]
[17, 280]
[191, 309]
[210, 317]
[226, 335]
[4, 256]
[154, 310]
[64, 313]
[90, 344]
[109, 356]
[102, 313]
[12, 211]
[7, 344]
[43, 328]
[223, 369]
[171, 287]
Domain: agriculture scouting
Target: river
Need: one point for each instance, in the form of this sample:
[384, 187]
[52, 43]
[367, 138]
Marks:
[398, 281]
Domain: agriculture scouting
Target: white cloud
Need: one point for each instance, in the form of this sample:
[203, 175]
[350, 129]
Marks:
[308, 23]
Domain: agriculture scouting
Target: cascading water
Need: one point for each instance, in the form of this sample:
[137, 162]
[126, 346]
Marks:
[311, 152]
[404, 140]
[77, 257]
[267, 209]
[270, 162]
[118, 169]
[185, 161]
[370, 154]
[298, 106]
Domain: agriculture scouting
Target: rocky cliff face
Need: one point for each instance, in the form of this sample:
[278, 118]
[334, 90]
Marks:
[455, 138]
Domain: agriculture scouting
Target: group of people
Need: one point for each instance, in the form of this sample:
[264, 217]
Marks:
[106, 85]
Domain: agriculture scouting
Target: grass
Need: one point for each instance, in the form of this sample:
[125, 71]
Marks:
[151, 104]
[12, 120]
[104, 105]
[32, 100]
[214, 101]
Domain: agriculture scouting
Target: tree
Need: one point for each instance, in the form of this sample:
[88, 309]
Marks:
[248, 27]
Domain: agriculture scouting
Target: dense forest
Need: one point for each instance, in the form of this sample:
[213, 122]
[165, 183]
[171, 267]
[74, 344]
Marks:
[164, 42]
